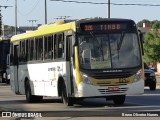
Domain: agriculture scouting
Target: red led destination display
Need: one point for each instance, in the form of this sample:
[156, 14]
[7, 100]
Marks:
[104, 27]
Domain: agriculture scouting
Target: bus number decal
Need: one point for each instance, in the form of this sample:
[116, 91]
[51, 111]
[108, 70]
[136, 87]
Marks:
[53, 72]
[88, 27]
[123, 80]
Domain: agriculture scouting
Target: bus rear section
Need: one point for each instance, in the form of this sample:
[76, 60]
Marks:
[90, 58]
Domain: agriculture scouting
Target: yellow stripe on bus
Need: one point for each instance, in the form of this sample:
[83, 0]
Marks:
[78, 76]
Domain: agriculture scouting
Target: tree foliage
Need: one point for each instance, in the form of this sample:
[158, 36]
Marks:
[152, 47]
[155, 25]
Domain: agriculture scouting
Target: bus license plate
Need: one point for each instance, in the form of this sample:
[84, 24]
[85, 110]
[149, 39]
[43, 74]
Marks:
[113, 88]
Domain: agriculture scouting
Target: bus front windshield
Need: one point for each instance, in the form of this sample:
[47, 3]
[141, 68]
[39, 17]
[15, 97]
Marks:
[109, 51]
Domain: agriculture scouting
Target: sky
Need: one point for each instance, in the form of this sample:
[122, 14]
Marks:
[35, 10]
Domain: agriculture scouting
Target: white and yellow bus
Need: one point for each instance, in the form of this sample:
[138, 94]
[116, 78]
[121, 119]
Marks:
[78, 59]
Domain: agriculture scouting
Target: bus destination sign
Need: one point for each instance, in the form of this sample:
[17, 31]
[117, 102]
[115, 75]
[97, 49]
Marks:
[104, 27]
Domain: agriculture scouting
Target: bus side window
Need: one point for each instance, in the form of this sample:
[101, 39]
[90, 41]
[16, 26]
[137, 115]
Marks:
[50, 47]
[16, 54]
[20, 51]
[40, 48]
[60, 46]
[55, 47]
[27, 50]
[23, 51]
[31, 49]
[11, 54]
[36, 49]
[45, 47]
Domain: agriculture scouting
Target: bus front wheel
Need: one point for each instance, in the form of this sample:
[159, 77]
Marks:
[119, 99]
[68, 101]
[29, 97]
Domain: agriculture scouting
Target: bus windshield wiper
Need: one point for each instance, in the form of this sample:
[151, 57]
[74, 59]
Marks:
[119, 44]
[94, 38]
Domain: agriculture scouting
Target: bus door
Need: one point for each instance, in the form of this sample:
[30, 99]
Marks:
[69, 59]
[15, 69]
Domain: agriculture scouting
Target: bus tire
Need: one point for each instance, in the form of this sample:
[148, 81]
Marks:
[152, 86]
[68, 101]
[29, 97]
[119, 99]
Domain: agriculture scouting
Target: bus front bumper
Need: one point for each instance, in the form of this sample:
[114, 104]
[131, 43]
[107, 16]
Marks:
[88, 90]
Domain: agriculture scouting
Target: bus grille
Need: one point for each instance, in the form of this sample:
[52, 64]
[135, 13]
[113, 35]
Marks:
[110, 84]
[106, 91]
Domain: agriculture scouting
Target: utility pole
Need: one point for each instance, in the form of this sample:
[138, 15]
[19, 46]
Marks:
[15, 17]
[0, 23]
[45, 11]
[108, 8]
[32, 22]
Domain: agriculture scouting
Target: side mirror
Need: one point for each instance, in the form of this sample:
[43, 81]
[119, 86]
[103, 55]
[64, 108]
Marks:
[141, 40]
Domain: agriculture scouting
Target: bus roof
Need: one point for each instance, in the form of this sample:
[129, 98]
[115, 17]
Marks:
[58, 26]
[63, 25]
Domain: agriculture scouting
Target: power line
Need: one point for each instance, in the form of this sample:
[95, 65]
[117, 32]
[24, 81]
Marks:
[19, 11]
[102, 3]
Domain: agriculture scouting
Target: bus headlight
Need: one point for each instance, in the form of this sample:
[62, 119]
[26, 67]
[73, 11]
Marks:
[85, 78]
[137, 76]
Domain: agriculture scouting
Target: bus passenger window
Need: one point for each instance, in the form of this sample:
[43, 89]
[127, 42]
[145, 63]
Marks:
[50, 47]
[11, 54]
[45, 47]
[26, 50]
[60, 46]
[20, 52]
[36, 48]
[55, 47]
[23, 51]
[40, 49]
[31, 49]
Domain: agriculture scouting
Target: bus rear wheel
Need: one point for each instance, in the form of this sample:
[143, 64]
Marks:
[29, 97]
[68, 101]
[119, 99]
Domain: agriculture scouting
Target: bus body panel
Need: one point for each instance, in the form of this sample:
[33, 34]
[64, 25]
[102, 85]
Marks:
[43, 77]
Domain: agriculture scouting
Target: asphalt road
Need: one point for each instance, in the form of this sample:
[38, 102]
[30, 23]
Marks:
[137, 105]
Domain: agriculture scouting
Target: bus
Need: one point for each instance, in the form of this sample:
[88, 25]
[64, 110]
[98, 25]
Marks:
[78, 59]
[4, 53]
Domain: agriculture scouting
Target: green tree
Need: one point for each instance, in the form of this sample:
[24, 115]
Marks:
[152, 47]
[155, 25]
